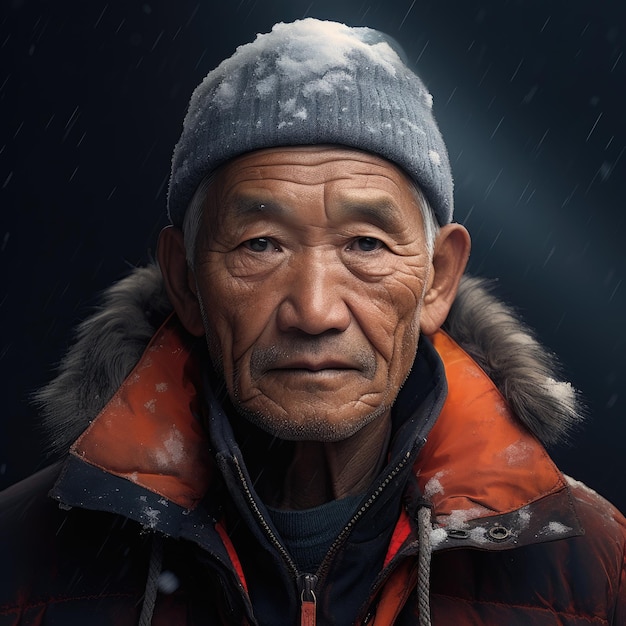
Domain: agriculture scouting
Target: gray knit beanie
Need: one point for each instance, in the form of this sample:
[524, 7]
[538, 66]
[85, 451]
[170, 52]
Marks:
[312, 82]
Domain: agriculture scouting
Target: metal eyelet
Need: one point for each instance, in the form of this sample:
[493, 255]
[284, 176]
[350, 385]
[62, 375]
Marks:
[499, 533]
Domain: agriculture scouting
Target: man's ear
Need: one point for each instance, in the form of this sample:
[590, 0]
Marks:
[452, 248]
[180, 283]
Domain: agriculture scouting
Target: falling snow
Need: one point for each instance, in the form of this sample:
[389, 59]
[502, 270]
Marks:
[168, 582]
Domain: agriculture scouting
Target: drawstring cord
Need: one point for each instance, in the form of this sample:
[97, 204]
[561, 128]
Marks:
[424, 528]
[152, 584]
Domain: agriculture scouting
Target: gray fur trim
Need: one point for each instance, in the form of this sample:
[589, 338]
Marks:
[111, 341]
[523, 370]
[108, 345]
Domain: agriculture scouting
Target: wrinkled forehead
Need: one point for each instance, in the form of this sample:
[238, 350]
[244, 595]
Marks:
[311, 164]
[341, 174]
[312, 186]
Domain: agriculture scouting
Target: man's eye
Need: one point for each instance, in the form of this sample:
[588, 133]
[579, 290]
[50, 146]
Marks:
[367, 244]
[259, 244]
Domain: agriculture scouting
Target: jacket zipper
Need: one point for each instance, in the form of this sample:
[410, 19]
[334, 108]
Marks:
[308, 582]
[336, 545]
[308, 601]
[264, 525]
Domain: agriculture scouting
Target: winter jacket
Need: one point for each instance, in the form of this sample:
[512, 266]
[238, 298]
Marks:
[152, 517]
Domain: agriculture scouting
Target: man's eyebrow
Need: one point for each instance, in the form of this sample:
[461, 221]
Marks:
[380, 212]
[255, 207]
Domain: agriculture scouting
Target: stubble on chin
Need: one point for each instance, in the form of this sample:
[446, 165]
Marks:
[292, 427]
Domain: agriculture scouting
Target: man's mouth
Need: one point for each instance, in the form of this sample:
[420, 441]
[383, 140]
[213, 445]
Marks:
[296, 359]
[314, 365]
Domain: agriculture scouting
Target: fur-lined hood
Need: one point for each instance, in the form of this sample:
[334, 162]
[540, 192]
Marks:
[111, 341]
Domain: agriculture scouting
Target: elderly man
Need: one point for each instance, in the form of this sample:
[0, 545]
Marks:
[307, 415]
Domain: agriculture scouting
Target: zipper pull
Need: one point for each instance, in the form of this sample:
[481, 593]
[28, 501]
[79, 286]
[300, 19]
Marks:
[308, 600]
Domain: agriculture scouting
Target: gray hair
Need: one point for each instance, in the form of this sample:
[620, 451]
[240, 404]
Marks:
[195, 212]
[193, 217]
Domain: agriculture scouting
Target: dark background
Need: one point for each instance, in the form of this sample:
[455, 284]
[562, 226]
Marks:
[531, 97]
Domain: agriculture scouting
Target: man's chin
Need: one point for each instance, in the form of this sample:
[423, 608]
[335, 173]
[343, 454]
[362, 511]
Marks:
[310, 426]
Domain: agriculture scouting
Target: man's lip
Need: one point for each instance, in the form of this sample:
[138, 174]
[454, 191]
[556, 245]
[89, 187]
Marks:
[314, 366]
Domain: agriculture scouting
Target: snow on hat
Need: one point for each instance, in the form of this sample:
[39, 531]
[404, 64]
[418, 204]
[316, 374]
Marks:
[312, 82]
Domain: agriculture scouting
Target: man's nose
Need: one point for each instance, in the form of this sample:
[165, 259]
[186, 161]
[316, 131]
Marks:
[314, 297]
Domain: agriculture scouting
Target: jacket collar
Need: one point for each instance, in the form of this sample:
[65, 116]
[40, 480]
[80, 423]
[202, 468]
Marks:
[149, 432]
[478, 459]
[490, 482]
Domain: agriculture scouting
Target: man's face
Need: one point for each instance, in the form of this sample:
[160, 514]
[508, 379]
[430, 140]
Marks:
[311, 268]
